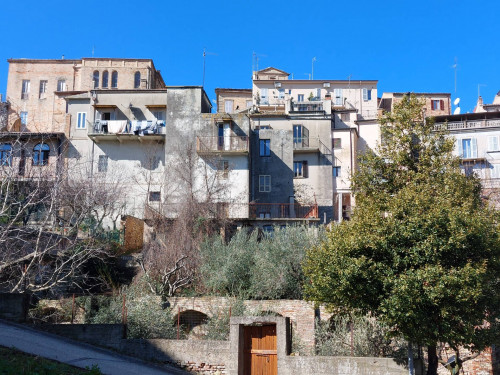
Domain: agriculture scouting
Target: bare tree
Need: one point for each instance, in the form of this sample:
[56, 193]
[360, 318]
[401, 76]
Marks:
[49, 220]
[195, 204]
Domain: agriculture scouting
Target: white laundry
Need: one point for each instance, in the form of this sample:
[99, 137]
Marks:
[116, 126]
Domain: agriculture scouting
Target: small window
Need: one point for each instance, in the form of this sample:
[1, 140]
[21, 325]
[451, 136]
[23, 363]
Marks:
[42, 90]
[337, 143]
[228, 106]
[81, 118]
[300, 169]
[265, 147]
[41, 154]
[25, 91]
[264, 183]
[24, 118]
[336, 171]
[105, 77]
[154, 196]
[437, 105]
[338, 97]
[102, 164]
[493, 143]
[263, 96]
[137, 80]
[281, 93]
[6, 154]
[300, 97]
[223, 168]
[467, 148]
[159, 115]
[61, 85]
[367, 95]
[96, 79]
[114, 79]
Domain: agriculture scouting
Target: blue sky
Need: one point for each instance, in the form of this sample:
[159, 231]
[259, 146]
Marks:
[406, 45]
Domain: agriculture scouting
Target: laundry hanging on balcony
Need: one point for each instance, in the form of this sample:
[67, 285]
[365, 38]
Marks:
[143, 127]
[116, 126]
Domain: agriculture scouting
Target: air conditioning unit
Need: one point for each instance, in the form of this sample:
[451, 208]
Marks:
[326, 84]
[277, 84]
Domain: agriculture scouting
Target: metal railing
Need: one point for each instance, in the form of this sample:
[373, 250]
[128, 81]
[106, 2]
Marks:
[468, 124]
[306, 143]
[282, 211]
[127, 127]
[222, 144]
[310, 106]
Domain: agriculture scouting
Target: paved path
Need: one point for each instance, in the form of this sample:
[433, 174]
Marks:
[74, 353]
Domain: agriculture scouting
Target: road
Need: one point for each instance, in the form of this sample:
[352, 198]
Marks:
[77, 354]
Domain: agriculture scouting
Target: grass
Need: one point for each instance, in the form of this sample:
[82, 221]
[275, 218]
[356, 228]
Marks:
[15, 362]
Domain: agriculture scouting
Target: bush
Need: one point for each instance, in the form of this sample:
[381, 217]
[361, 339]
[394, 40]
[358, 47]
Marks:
[333, 337]
[146, 316]
[217, 326]
[259, 268]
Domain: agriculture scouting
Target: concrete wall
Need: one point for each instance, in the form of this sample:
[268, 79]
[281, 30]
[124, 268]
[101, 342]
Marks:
[14, 306]
[109, 335]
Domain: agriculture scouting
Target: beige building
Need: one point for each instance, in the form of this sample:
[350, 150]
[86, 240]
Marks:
[36, 89]
[233, 100]
[436, 104]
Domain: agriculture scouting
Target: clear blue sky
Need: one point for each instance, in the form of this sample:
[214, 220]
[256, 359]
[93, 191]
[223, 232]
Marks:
[406, 45]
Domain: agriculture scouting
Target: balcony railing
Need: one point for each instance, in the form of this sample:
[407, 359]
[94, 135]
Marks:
[306, 143]
[282, 211]
[471, 124]
[104, 127]
[230, 144]
[309, 106]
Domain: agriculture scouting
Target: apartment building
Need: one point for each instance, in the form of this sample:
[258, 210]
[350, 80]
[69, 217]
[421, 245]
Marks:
[36, 89]
[436, 104]
[308, 134]
[233, 100]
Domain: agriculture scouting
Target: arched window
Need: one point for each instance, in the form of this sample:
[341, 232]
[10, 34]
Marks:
[114, 79]
[96, 79]
[137, 80]
[6, 154]
[105, 76]
[41, 154]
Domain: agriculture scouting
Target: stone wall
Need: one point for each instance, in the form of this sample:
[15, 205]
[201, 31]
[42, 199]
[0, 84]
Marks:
[109, 335]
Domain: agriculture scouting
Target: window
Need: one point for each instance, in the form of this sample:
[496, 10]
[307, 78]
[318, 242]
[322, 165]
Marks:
[43, 89]
[102, 164]
[265, 147]
[300, 169]
[105, 77]
[300, 97]
[336, 171]
[495, 171]
[96, 79]
[114, 79]
[137, 80]
[338, 97]
[263, 96]
[24, 118]
[318, 94]
[61, 84]
[300, 136]
[223, 168]
[467, 148]
[159, 115]
[22, 162]
[81, 120]
[264, 183]
[154, 196]
[493, 143]
[25, 91]
[367, 95]
[437, 105]
[264, 215]
[281, 93]
[228, 106]
[41, 154]
[337, 143]
[249, 103]
[345, 117]
[6, 154]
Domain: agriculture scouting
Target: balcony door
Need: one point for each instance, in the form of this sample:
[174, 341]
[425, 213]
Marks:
[224, 136]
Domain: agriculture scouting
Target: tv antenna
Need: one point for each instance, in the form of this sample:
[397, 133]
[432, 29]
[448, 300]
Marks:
[255, 61]
[455, 66]
[312, 67]
[205, 53]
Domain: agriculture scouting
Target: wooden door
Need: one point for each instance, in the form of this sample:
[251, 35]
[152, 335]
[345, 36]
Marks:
[260, 350]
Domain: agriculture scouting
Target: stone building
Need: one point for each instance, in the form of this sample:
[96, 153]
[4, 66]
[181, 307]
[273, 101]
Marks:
[436, 104]
[36, 89]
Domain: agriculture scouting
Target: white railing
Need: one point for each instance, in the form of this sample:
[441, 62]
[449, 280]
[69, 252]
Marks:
[467, 124]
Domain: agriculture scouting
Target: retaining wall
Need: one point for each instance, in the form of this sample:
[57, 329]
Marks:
[14, 306]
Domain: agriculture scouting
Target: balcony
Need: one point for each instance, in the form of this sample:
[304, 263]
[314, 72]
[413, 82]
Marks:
[234, 145]
[266, 211]
[309, 106]
[122, 130]
[306, 144]
[468, 124]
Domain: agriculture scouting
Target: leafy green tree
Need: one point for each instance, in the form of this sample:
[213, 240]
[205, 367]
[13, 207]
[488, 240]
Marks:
[421, 252]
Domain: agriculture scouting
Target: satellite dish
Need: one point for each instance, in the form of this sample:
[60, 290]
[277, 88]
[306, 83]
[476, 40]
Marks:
[456, 111]
[457, 100]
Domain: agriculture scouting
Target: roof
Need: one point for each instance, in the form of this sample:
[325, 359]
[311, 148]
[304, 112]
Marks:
[229, 89]
[316, 81]
[418, 93]
[272, 68]
[43, 61]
